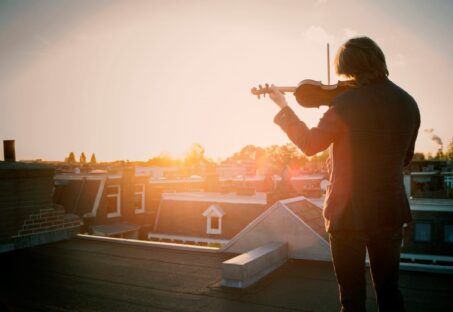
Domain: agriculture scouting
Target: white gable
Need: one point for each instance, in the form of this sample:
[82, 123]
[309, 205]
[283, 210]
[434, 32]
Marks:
[214, 210]
[280, 224]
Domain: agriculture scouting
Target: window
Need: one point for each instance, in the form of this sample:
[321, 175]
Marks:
[139, 198]
[423, 232]
[113, 201]
[448, 233]
[214, 215]
[215, 223]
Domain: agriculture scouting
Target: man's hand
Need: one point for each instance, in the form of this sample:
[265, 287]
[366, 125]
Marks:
[277, 96]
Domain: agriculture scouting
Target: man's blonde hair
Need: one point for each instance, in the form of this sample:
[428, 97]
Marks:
[362, 60]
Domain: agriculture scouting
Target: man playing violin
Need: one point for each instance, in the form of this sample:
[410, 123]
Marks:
[372, 128]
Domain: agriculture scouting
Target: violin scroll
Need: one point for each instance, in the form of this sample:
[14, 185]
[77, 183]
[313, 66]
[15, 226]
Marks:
[260, 90]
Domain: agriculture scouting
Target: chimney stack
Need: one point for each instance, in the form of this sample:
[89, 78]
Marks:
[9, 150]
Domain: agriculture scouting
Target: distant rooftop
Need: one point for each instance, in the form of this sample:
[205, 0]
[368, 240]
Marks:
[305, 177]
[431, 204]
[22, 165]
[88, 176]
[432, 201]
[259, 198]
[185, 180]
[90, 275]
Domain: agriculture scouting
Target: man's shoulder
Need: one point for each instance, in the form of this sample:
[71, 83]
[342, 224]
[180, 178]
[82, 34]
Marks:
[385, 88]
[403, 96]
[344, 99]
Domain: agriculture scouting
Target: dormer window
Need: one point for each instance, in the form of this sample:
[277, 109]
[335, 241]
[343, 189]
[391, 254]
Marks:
[214, 215]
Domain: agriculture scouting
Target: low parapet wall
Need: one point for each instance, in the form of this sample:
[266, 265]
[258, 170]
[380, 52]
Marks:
[248, 268]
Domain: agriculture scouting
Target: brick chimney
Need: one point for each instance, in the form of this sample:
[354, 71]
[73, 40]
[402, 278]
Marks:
[29, 216]
[9, 150]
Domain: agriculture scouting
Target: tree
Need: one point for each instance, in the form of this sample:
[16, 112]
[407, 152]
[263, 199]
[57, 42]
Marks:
[194, 156]
[163, 160]
[449, 151]
[279, 156]
[71, 158]
[248, 152]
[83, 159]
[439, 155]
[418, 156]
[274, 158]
[93, 159]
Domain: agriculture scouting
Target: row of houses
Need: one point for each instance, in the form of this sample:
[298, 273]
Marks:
[133, 205]
[112, 203]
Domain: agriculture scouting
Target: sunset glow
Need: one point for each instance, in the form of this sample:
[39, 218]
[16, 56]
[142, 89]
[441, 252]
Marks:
[130, 80]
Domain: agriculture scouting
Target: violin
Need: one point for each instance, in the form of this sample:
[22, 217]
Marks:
[310, 93]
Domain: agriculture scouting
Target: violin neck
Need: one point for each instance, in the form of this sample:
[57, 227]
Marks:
[287, 89]
[262, 91]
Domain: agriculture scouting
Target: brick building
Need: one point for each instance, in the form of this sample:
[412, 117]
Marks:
[29, 217]
[429, 237]
[115, 205]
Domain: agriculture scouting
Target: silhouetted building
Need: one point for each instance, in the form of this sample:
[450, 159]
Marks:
[115, 205]
[28, 215]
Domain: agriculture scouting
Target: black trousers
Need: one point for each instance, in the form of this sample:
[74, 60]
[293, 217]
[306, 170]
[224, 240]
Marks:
[348, 253]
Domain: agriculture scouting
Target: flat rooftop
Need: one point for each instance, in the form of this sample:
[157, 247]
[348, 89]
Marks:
[90, 275]
[431, 204]
[259, 198]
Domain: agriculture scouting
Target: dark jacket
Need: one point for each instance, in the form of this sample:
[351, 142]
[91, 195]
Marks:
[373, 130]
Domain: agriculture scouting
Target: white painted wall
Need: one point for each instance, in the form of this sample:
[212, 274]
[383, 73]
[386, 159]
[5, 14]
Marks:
[281, 226]
[407, 184]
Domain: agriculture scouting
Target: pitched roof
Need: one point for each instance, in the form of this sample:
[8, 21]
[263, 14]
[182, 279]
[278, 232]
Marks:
[184, 214]
[79, 196]
[311, 214]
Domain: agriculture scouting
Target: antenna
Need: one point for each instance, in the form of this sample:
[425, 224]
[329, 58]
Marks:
[328, 64]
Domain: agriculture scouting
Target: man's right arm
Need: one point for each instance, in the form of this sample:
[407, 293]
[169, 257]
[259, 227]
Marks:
[309, 141]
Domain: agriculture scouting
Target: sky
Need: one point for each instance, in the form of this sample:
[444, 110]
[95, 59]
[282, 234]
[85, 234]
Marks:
[133, 79]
